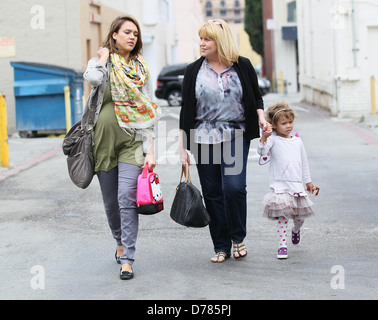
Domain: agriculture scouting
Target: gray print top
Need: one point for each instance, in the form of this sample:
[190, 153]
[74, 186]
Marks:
[219, 105]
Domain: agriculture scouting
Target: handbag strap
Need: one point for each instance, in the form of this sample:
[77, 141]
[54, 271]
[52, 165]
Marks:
[89, 125]
[185, 172]
[145, 171]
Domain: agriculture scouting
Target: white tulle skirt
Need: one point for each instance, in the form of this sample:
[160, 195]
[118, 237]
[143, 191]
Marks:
[286, 205]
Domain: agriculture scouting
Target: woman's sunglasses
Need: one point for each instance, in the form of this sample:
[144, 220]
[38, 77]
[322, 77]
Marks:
[216, 22]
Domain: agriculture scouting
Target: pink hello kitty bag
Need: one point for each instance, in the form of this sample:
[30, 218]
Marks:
[149, 196]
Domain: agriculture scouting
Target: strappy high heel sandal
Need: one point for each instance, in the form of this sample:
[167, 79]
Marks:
[238, 248]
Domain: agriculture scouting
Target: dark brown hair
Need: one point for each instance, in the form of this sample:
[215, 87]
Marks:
[111, 44]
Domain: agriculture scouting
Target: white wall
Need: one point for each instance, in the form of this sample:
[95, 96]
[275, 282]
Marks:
[338, 53]
[48, 34]
[285, 58]
[157, 23]
[189, 19]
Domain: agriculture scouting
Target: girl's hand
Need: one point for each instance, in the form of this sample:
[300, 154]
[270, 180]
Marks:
[268, 129]
[310, 187]
[149, 161]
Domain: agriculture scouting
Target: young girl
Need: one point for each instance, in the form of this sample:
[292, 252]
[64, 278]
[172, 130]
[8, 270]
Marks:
[289, 172]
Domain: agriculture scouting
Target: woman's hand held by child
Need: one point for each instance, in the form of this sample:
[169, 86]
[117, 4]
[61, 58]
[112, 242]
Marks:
[268, 129]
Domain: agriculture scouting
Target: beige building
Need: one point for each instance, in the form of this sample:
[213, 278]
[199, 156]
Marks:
[189, 18]
[281, 44]
[68, 33]
[232, 11]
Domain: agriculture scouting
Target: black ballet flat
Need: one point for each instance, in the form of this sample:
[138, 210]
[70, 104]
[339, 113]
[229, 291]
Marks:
[126, 275]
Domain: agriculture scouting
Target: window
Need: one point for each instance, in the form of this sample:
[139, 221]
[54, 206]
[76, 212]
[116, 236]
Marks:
[209, 9]
[237, 10]
[223, 12]
[292, 11]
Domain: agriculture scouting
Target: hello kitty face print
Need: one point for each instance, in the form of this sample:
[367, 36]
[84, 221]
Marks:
[156, 189]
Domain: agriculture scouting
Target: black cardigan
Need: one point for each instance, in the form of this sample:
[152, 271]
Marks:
[252, 99]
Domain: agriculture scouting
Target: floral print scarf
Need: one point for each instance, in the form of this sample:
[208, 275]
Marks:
[133, 109]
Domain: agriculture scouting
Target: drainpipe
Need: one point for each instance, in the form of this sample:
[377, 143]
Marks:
[336, 108]
[354, 33]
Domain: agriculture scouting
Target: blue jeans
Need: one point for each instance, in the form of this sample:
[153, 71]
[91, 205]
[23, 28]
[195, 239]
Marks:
[222, 172]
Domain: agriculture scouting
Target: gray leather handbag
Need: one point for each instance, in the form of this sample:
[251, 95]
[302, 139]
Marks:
[78, 147]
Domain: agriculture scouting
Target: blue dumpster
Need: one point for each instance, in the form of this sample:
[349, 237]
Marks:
[39, 94]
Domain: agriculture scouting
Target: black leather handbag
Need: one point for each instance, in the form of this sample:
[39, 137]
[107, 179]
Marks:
[188, 208]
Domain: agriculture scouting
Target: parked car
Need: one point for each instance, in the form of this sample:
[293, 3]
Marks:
[169, 84]
[264, 85]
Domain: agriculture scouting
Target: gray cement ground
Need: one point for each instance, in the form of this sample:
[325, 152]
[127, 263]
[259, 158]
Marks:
[55, 242]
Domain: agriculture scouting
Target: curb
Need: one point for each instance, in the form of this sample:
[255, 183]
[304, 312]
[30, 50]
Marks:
[11, 172]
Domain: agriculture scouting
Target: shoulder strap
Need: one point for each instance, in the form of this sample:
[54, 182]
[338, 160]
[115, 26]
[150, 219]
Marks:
[89, 125]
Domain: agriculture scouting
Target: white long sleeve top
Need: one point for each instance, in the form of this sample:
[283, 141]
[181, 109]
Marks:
[289, 169]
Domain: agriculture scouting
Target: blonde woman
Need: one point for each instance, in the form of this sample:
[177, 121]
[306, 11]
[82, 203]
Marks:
[222, 110]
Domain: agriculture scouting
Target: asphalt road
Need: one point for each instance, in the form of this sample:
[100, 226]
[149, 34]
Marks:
[55, 242]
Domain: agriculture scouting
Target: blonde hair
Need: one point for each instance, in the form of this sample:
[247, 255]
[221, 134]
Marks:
[219, 31]
[279, 110]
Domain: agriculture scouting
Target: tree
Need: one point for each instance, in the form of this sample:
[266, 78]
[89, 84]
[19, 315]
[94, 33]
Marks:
[253, 22]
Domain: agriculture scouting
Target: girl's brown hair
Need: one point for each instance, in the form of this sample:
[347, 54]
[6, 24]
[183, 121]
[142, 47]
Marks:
[111, 44]
[279, 110]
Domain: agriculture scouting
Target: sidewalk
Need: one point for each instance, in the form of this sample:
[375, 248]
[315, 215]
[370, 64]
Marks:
[26, 152]
[368, 123]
